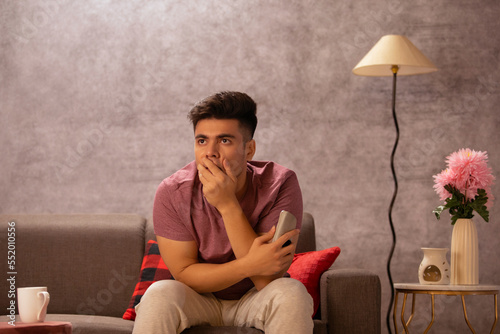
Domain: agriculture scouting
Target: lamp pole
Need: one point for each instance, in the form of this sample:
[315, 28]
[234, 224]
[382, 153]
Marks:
[394, 69]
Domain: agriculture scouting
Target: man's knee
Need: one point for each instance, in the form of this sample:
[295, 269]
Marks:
[288, 302]
[287, 285]
[157, 311]
[165, 292]
[290, 291]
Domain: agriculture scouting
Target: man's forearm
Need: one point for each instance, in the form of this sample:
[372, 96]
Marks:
[207, 277]
[241, 236]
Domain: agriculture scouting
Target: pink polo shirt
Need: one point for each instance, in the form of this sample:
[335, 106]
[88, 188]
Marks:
[182, 213]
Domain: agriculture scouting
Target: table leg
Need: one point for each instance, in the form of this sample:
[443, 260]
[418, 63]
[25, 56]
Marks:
[432, 313]
[412, 310]
[465, 315]
[405, 327]
[394, 312]
[406, 324]
[496, 315]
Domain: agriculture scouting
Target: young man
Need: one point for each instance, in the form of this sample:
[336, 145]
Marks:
[214, 220]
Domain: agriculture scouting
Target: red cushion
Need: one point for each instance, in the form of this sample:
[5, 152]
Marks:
[306, 267]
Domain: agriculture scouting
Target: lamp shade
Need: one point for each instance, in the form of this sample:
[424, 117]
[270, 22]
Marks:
[394, 50]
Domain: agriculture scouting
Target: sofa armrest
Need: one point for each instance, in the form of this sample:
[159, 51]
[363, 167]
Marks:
[351, 301]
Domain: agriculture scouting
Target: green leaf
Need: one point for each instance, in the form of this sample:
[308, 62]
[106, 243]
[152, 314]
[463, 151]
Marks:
[460, 207]
[479, 204]
[437, 211]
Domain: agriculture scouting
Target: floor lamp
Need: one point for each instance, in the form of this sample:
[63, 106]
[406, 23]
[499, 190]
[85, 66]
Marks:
[393, 55]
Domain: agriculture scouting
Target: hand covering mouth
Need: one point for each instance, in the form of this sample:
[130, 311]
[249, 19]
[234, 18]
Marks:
[216, 163]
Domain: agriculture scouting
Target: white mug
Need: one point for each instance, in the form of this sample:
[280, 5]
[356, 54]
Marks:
[32, 304]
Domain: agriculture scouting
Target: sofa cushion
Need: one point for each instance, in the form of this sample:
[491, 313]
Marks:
[152, 269]
[306, 267]
[88, 262]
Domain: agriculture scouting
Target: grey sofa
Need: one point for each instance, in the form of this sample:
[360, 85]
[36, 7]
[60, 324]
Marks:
[91, 262]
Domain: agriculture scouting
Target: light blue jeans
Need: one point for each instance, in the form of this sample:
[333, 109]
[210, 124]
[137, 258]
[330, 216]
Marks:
[168, 307]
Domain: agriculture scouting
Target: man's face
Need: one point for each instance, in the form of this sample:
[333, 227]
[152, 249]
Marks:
[222, 139]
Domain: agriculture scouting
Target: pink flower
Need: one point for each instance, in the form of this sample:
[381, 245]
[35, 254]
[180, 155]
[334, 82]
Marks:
[467, 171]
[442, 179]
[472, 172]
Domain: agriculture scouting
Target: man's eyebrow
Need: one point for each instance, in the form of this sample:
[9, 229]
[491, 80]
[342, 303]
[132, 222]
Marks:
[226, 135]
[222, 135]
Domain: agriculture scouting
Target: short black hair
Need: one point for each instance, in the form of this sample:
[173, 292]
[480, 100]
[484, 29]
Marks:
[227, 105]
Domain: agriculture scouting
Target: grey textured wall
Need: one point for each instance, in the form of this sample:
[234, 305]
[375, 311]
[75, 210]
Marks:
[94, 96]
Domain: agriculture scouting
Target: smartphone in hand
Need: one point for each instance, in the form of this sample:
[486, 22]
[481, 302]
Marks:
[286, 223]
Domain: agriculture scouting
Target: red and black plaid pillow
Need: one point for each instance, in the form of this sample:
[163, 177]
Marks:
[306, 267]
[152, 269]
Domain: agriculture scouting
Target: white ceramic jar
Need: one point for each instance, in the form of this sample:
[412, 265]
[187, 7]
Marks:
[434, 268]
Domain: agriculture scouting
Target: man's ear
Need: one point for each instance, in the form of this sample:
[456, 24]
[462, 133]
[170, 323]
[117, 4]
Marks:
[250, 149]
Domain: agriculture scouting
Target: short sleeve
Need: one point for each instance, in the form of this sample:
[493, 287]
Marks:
[168, 213]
